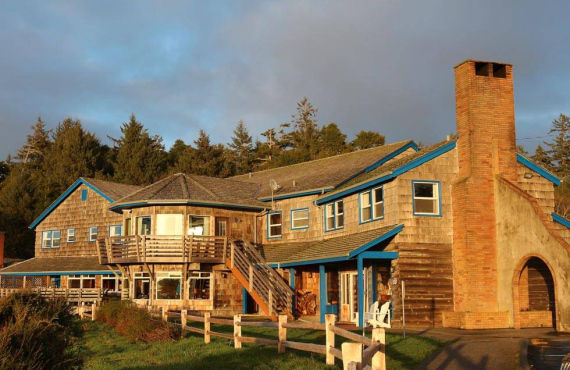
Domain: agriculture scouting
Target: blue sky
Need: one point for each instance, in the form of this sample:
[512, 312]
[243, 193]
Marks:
[182, 66]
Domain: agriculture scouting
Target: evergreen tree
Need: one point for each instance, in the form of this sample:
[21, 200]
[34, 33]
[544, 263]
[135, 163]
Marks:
[242, 149]
[140, 158]
[331, 141]
[4, 169]
[176, 151]
[206, 159]
[559, 150]
[521, 150]
[37, 144]
[367, 139]
[541, 157]
[305, 134]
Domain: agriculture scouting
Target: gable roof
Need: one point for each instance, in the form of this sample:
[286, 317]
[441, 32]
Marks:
[193, 189]
[56, 266]
[387, 171]
[329, 250]
[314, 177]
[107, 189]
[536, 168]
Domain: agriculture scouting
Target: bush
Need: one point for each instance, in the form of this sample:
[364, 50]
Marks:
[134, 323]
[36, 333]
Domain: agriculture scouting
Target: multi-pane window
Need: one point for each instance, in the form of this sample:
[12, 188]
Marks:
[141, 285]
[426, 198]
[114, 230]
[110, 283]
[334, 215]
[143, 225]
[199, 285]
[372, 205]
[274, 224]
[168, 285]
[81, 281]
[71, 235]
[169, 224]
[198, 225]
[300, 219]
[93, 231]
[51, 239]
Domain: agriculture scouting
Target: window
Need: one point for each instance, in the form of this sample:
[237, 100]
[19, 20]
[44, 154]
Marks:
[371, 205]
[167, 224]
[198, 225]
[93, 231]
[143, 225]
[81, 281]
[142, 285]
[168, 285]
[115, 230]
[199, 284]
[274, 224]
[71, 235]
[51, 238]
[426, 198]
[334, 215]
[110, 283]
[84, 195]
[300, 219]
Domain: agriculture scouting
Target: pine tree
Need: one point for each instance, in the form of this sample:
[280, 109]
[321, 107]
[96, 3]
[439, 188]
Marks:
[305, 134]
[331, 141]
[541, 157]
[140, 158]
[37, 144]
[176, 151]
[367, 139]
[559, 150]
[242, 149]
[206, 159]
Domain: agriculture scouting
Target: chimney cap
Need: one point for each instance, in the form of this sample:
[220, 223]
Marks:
[480, 61]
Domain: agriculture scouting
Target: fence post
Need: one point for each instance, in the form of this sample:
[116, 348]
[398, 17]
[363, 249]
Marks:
[164, 314]
[183, 320]
[379, 358]
[237, 331]
[282, 333]
[351, 356]
[329, 334]
[207, 327]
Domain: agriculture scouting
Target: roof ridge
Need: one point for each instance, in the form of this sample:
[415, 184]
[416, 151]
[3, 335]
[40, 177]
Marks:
[184, 184]
[321, 159]
[148, 186]
[202, 186]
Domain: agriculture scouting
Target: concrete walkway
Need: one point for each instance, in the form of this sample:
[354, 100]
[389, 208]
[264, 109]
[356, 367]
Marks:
[480, 349]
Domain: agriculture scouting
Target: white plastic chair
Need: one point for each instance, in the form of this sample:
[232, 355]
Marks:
[379, 318]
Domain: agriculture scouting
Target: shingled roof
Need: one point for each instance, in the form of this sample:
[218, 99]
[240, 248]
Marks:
[339, 247]
[186, 189]
[324, 173]
[113, 189]
[54, 265]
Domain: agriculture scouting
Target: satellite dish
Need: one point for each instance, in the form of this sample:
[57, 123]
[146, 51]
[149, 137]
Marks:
[274, 185]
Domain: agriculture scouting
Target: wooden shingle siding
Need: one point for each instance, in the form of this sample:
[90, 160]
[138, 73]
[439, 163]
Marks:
[73, 213]
[538, 187]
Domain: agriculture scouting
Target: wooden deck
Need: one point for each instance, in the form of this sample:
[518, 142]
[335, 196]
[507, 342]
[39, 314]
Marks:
[163, 249]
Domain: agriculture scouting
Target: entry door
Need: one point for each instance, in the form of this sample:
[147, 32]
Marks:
[221, 226]
[349, 296]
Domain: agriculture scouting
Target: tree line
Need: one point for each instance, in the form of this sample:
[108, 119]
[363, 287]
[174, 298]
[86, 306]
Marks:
[52, 159]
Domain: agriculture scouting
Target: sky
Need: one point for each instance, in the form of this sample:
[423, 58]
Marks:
[182, 66]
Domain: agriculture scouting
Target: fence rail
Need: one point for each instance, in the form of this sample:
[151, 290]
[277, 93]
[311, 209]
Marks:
[73, 295]
[362, 353]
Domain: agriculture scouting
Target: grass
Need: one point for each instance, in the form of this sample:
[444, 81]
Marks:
[102, 348]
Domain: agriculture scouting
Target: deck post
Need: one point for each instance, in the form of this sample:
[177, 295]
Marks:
[237, 331]
[232, 252]
[207, 327]
[282, 333]
[379, 358]
[270, 302]
[164, 314]
[322, 292]
[243, 300]
[94, 309]
[183, 320]
[250, 277]
[329, 336]
[351, 356]
[360, 274]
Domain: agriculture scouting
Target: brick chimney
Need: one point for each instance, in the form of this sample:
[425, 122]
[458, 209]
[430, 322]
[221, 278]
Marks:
[2, 238]
[486, 147]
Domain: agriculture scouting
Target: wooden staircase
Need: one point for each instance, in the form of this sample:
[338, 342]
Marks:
[263, 283]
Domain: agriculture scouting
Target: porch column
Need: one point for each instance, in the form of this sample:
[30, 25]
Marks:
[243, 300]
[360, 274]
[322, 292]
[292, 285]
[374, 282]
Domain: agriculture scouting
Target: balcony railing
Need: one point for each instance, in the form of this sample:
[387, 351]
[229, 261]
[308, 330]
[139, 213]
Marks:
[74, 295]
[154, 248]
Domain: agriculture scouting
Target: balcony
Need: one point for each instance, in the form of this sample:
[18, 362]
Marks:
[163, 249]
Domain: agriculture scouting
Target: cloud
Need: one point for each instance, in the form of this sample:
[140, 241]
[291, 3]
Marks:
[373, 65]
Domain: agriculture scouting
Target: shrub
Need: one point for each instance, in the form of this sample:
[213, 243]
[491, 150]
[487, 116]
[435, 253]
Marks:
[36, 333]
[134, 323]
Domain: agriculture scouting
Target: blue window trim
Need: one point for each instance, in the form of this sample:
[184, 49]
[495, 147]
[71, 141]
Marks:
[84, 195]
[335, 227]
[439, 198]
[561, 220]
[42, 239]
[308, 221]
[67, 235]
[89, 233]
[374, 218]
[117, 225]
[267, 222]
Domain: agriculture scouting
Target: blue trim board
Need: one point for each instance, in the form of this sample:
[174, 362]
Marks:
[58, 273]
[536, 168]
[322, 292]
[395, 173]
[372, 243]
[360, 275]
[243, 300]
[64, 196]
[561, 220]
[291, 217]
[295, 195]
[379, 255]
[268, 225]
[374, 284]
[439, 198]
[292, 285]
[309, 262]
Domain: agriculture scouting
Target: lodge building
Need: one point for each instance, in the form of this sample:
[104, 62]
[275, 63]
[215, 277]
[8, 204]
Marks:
[466, 225]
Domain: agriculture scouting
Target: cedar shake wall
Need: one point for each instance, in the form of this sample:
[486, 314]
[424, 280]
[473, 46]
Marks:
[537, 187]
[80, 215]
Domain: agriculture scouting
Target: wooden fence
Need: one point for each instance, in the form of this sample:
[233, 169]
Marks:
[357, 354]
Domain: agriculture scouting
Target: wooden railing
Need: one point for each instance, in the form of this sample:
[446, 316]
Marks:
[263, 283]
[360, 353]
[155, 248]
[73, 295]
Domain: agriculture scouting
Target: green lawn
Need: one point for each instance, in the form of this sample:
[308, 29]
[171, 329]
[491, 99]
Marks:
[102, 348]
